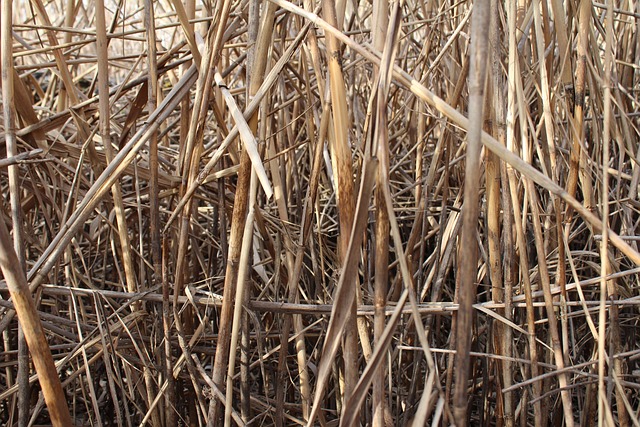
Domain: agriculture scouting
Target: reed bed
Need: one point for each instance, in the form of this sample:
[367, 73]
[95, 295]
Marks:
[320, 213]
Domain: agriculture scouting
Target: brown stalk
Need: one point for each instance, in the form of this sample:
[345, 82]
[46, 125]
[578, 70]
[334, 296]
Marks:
[253, 26]
[548, 300]
[116, 190]
[379, 25]
[608, 288]
[561, 32]
[243, 271]
[345, 291]
[154, 214]
[553, 162]
[577, 160]
[8, 100]
[495, 175]
[343, 176]
[33, 332]
[240, 208]
[294, 277]
[468, 271]
[190, 160]
[516, 104]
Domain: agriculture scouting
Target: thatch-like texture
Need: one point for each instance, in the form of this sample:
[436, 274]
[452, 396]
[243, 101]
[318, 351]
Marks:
[321, 212]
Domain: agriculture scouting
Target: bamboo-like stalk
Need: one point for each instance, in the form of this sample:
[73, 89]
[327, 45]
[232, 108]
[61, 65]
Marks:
[187, 170]
[343, 176]
[239, 210]
[105, 134]
[561, 33]
[576, 161]
[514, 98]
[468, 271]
[8, 100]
[501, 283]
[247, 237]
[550, 138]
[28, 316]
[253, 27]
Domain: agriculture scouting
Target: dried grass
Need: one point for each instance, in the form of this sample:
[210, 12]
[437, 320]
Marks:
[300, 220]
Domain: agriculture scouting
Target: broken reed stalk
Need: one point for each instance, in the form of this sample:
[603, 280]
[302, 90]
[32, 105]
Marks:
[480, 19]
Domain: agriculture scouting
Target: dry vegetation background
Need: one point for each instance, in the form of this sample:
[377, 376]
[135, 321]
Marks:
[333, 212]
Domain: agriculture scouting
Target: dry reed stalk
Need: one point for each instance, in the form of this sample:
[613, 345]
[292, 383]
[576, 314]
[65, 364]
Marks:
[546, 287]
[564, 51]
[343, 176]
[480, 19]
[8, 99]
[247, 237]
[495, 175]
[584, 20]
[34, 334]
[295, 270]
[608, 288]
[515, 100]
[154, 217]
[381, 279]
[190, 152]
[345, 290]
[380, 22]
[239, 209]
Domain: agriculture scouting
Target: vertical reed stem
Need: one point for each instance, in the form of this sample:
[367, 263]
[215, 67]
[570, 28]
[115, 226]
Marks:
[469, 246]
